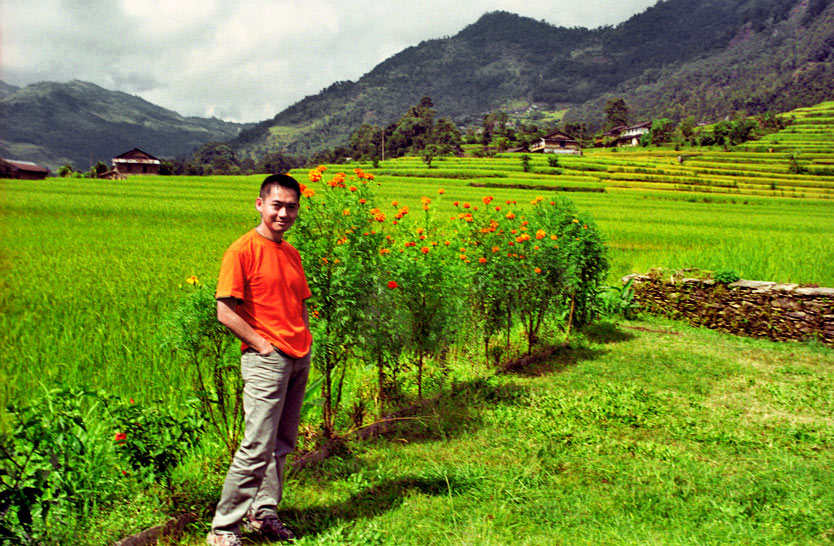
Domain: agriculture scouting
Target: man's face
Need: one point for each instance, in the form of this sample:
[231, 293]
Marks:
[278, 211]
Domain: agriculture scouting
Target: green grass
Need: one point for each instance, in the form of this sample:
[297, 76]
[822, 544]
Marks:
[643, 433]
[89, 267]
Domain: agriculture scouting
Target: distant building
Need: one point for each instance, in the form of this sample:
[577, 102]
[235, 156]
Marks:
[26, 170]
[623, 135]
[556, 142]
[631, 134]
[133, 162]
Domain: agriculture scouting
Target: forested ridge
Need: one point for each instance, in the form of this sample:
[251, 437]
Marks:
[678, 58]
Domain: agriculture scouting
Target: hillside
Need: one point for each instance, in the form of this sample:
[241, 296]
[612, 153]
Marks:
[709, 59]
[76, 122]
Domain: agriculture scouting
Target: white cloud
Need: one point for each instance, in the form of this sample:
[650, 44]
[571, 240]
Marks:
[242, 61]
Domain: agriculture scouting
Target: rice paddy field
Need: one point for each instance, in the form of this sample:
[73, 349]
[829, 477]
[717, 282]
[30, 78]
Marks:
[89, 267]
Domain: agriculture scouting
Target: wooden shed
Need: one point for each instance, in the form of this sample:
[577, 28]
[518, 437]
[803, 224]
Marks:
[26, 170]
[136, 162]
[556, 142]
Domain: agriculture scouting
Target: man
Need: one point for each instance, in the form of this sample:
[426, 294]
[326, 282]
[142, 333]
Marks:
[260, 298]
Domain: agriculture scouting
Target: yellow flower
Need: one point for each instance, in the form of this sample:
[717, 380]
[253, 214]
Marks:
[193, 280]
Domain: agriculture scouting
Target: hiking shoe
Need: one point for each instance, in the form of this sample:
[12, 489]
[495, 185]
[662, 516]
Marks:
[271, 527]
[223, 539]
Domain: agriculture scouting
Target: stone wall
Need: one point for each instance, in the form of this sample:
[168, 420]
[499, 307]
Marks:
[750, 308]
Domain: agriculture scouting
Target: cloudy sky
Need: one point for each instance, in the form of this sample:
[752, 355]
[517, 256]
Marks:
[242, 60]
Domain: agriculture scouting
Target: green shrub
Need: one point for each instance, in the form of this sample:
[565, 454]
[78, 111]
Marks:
[726, 276]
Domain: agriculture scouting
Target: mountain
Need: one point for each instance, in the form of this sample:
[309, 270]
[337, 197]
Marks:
[78, 123]
[706, 58]
[7, 89]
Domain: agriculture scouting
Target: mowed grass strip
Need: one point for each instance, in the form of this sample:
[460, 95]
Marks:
[644, 433]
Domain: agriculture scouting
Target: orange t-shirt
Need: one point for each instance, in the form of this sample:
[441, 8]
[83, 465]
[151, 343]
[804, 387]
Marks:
[268, 280]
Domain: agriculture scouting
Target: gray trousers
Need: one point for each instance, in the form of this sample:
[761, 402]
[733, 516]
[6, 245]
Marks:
[273, 390]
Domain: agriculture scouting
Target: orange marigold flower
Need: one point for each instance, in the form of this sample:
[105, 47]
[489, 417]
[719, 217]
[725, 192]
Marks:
[466, 205]
[447, 243]
[385, 251]
[554, 237]
[422, 237]
[495, 249]
[353, 188]
[346, 212]
[321, 168]
[487, 199]
[463, 256]
[538, 270]
[308, 192]
[425, 200]
[540, 234]
[425, 207]
[394, 203]
[482, 260]
[497, 209]
[524, 223]
[314, 176]
[510, 216]
[441, 191]
[513, 231]
[420, 230]
[456, 203]
[424, 249]
[363, 201]
[379, 217]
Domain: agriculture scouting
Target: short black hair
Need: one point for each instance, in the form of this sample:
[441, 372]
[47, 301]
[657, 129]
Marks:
[282, 180]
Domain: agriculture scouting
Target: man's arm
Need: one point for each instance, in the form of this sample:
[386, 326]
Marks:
[227, 315]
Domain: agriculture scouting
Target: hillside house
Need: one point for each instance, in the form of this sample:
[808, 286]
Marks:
[556, 142]
[631, 135]
[24, 170]
[623, 135]
[133, 162]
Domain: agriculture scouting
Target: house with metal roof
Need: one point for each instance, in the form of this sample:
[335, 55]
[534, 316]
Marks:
[26, 170]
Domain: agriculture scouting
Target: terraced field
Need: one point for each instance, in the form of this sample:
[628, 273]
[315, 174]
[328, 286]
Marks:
[796, 162]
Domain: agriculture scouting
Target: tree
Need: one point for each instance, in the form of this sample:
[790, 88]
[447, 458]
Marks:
[412, 131]
[365, 141]
[99, 169]
[661, 131]
[216, 158]
[428, 154]
[616, 113]
[446, 136]
[66, 171]
[686, 129]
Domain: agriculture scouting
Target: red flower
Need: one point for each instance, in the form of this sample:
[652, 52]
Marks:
[120, 437]
[392, 284]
